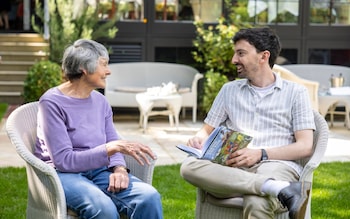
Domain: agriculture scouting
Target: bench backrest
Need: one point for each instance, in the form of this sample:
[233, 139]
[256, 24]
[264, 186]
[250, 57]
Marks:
[149, 74]
[320, 73]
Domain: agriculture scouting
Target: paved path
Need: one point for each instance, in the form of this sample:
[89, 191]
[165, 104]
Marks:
[162, 139]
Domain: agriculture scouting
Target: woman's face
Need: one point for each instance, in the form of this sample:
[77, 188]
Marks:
[98, 78]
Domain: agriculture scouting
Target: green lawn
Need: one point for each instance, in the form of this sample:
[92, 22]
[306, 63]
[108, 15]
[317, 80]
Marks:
[331, 192]
[3, 107]
[330, 195]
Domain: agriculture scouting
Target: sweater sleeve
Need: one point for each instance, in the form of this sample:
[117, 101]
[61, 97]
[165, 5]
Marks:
[118, 158]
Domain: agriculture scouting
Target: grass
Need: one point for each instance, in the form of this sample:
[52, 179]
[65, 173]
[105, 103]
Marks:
[330, 195]
[178, 196]
[331, 191]
[13, 190]
[3, 107]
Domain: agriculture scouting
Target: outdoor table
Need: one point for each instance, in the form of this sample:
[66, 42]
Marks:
[339, 96]
[147, 102]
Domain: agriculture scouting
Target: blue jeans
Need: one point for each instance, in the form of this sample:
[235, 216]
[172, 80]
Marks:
[86, 193]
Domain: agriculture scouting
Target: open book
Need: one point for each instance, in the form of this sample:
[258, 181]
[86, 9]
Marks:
[219, 145]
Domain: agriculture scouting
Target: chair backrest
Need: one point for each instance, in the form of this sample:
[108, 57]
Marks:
[21, 126]
[43, 181]
[319, 145]
[312, 86]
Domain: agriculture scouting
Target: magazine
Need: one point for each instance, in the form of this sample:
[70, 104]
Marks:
[219, 145]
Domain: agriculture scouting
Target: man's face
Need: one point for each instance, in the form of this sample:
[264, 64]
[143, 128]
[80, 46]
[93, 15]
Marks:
[246, 59]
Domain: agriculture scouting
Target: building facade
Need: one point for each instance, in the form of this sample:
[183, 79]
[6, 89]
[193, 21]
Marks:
[311, 31]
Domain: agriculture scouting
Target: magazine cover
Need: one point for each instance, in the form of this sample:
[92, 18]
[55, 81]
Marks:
[232, 141]
[221, 142]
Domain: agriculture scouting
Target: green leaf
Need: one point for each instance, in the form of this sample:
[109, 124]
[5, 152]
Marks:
[41, 76]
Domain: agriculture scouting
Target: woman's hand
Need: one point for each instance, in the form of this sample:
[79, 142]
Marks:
[137, 150]
[118, 180]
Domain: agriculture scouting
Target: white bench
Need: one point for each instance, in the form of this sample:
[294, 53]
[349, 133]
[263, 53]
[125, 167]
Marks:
[312, 86]
[320, 73]
[128, 79]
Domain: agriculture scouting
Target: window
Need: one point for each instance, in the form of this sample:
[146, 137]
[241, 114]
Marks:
[268, 11]
[330, 56]
[288, 56]
[166, 9]
[126, 9]
[174, 55]
[330, 12]
[188, 10]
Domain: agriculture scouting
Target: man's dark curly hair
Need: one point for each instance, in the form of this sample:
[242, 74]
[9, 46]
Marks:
[262, 39]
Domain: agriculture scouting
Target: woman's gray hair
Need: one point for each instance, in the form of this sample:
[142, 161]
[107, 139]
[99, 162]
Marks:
[82, 55]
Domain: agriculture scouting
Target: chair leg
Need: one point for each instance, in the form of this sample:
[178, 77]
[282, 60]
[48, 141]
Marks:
[194, 114]
[145, 121]
[141, 120]
[332, 118]
[331, 112]
[171, 119]
[347, 119]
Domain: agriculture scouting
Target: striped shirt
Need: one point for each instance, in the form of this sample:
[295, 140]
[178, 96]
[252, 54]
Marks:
[271, 118]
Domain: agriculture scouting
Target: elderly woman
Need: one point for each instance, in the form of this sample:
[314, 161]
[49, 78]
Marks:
[76, 136]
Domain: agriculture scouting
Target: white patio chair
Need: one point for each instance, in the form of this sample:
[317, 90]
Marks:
[312, 86]
[209, 207]
[46, 198]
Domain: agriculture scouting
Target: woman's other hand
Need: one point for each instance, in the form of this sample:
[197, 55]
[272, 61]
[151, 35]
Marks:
[118, 180]
[137, 150]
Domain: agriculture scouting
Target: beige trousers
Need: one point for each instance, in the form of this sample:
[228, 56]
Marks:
[224, 182]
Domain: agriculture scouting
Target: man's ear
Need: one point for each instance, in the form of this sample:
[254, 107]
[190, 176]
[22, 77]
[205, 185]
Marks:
[265, 56]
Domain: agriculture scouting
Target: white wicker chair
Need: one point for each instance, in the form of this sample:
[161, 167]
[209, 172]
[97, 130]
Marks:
[312, 86]
[209, 207]
[46, 198]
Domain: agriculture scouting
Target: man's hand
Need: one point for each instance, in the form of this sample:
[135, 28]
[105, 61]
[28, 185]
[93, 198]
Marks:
[245, 157]
[195, 142]
[198, 140]
[118, 180]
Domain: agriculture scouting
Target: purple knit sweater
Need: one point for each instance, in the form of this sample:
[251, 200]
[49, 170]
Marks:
[72, 132]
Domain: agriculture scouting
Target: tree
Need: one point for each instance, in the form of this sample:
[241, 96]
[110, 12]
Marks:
[70, 20]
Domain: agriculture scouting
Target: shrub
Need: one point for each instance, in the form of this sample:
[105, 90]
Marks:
[212, 86]
[214, 50]
[41, 76]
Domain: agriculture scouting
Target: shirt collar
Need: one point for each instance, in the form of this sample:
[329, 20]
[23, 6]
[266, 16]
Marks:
[278, 83]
